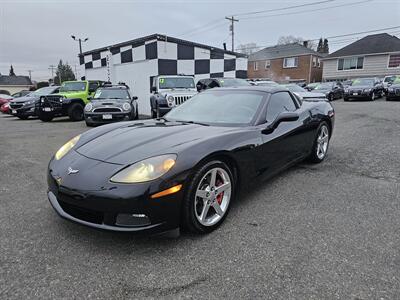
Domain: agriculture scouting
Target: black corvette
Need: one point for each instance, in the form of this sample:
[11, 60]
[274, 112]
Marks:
[184, 170]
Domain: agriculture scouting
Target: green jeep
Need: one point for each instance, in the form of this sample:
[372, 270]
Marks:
[70, 101]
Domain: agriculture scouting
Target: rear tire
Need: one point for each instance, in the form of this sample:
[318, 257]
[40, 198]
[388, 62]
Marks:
[193, 206]
[75, 112]
[321, 144]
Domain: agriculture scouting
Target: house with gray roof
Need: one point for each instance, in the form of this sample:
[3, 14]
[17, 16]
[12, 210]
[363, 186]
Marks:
[375, 55]
[15, 84]
[286, 63]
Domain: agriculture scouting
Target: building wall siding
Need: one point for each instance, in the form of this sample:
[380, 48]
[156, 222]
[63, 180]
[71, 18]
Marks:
[374, 65]
[278, 73]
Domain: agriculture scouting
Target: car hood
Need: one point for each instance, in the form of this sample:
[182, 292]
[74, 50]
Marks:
[360, 87]
[24, 99]
[320, 91]
[105, 102]
[139, 140]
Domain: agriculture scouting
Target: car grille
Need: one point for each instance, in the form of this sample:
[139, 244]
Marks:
[80, 213]
[356, 91]
[107, 109]
[16, 105]
[180, 99]
[52, 101]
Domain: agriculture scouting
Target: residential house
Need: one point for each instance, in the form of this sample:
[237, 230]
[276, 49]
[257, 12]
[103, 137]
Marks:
[286, 63]
[375, 55]
[15, 84]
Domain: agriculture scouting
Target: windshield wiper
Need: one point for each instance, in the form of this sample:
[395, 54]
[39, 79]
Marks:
[193, 122]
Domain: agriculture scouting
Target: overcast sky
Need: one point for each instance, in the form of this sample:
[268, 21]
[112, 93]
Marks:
[35, 34]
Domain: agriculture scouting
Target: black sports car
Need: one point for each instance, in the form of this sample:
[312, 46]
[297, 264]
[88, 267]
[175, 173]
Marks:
[364, 88]
[26, 106]
[184, 170]
[111, 103]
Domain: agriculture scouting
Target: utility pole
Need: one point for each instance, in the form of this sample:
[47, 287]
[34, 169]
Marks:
[52, 67]
[80, 42]
[30, 74]
[232, 30]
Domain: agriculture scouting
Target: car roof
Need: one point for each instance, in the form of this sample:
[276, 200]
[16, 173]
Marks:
[252, 88]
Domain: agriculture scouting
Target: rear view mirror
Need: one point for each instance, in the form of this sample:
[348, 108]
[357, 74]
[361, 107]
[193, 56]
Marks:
[134, 98]
[285, 116]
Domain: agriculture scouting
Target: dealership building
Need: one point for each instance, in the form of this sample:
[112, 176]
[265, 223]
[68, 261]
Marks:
[136, 62]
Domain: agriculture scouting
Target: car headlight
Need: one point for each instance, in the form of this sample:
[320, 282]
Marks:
[42, 99]
[367, 90]
[67, 147]
[89, 107]
[346, 90]
[126, 106]
[146, 170]
[170, 98]
[391, 89]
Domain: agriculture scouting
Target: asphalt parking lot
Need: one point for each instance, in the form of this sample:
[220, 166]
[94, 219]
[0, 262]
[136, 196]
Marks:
[327, 231]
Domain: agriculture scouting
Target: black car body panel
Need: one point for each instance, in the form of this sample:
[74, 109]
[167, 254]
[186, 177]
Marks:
[332, 90]
[89, 197]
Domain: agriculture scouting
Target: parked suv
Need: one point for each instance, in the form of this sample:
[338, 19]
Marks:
[364, 88]
[205, 84]
[332, 90]
[170, 91]
[393, 91]
[70, 101]
[111, 103]
[25, 107]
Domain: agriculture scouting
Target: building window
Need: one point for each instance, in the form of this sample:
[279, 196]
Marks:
[256, 66]
[314, 61]
[290, 62]
[319, 63]
[394, 61]
[350, 63]
[267, 64]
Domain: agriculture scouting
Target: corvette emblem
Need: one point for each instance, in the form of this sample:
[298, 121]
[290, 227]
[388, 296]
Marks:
[72, 171]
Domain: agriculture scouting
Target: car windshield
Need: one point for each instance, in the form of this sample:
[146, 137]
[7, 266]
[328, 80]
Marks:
[266, 83]
[225, 108]
[396, 80]
[294, 88]
[73, 86]
[42, 92]
[176, 83]
[358, 82]
[324, 86]
[111, 94]
[232, 82]
[390, 79]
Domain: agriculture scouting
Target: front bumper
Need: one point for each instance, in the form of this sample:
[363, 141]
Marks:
[116, 210]
[393, 94]
[163, 110]
[25, 111]
[357, 95]
[98, 118]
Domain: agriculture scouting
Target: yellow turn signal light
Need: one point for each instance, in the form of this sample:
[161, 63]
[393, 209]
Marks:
[166, 192]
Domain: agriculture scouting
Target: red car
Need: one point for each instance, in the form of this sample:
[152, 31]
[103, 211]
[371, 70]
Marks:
[5, 99]
[5, 108]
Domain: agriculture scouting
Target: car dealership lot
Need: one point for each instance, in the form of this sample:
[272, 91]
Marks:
[314, 232]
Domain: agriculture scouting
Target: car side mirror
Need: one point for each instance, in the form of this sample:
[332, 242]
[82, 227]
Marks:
[198, 87]
[89, 98]
[134, 98]
[285, 116]
[153, 89]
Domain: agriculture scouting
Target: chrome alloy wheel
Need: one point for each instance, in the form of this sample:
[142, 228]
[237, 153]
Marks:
[213, 195]
[322, 142]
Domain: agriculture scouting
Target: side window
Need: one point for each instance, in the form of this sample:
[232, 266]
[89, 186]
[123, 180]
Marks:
[213, 84]
[93, 86]
[279, 102]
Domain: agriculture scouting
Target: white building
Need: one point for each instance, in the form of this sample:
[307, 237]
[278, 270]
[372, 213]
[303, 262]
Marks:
[136, 62]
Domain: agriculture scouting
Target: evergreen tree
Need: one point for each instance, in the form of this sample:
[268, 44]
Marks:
[63, 73]
[12, 71]
[326, 46]
[320, 46]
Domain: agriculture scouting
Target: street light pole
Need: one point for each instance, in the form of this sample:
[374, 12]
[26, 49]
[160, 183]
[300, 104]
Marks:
[79, 40]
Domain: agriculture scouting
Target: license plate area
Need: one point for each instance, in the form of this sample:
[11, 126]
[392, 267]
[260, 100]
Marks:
[47, 109]
[13, 111]
[107, 117]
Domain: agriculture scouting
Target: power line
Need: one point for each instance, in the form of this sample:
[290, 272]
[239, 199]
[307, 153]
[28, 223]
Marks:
[307, 11]
[283, 8]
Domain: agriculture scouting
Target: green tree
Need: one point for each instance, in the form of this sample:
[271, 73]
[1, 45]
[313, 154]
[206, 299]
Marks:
[63, 73]
[320, 45]
[12, 71]
[325, 47]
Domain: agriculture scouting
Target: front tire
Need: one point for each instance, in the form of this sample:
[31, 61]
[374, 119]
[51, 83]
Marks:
[75, 112]
[372, 97]
[208, 197]
[23, 117]
[321, 144]
[45, 117]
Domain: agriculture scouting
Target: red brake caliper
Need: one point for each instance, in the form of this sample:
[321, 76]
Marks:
[221, 195]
